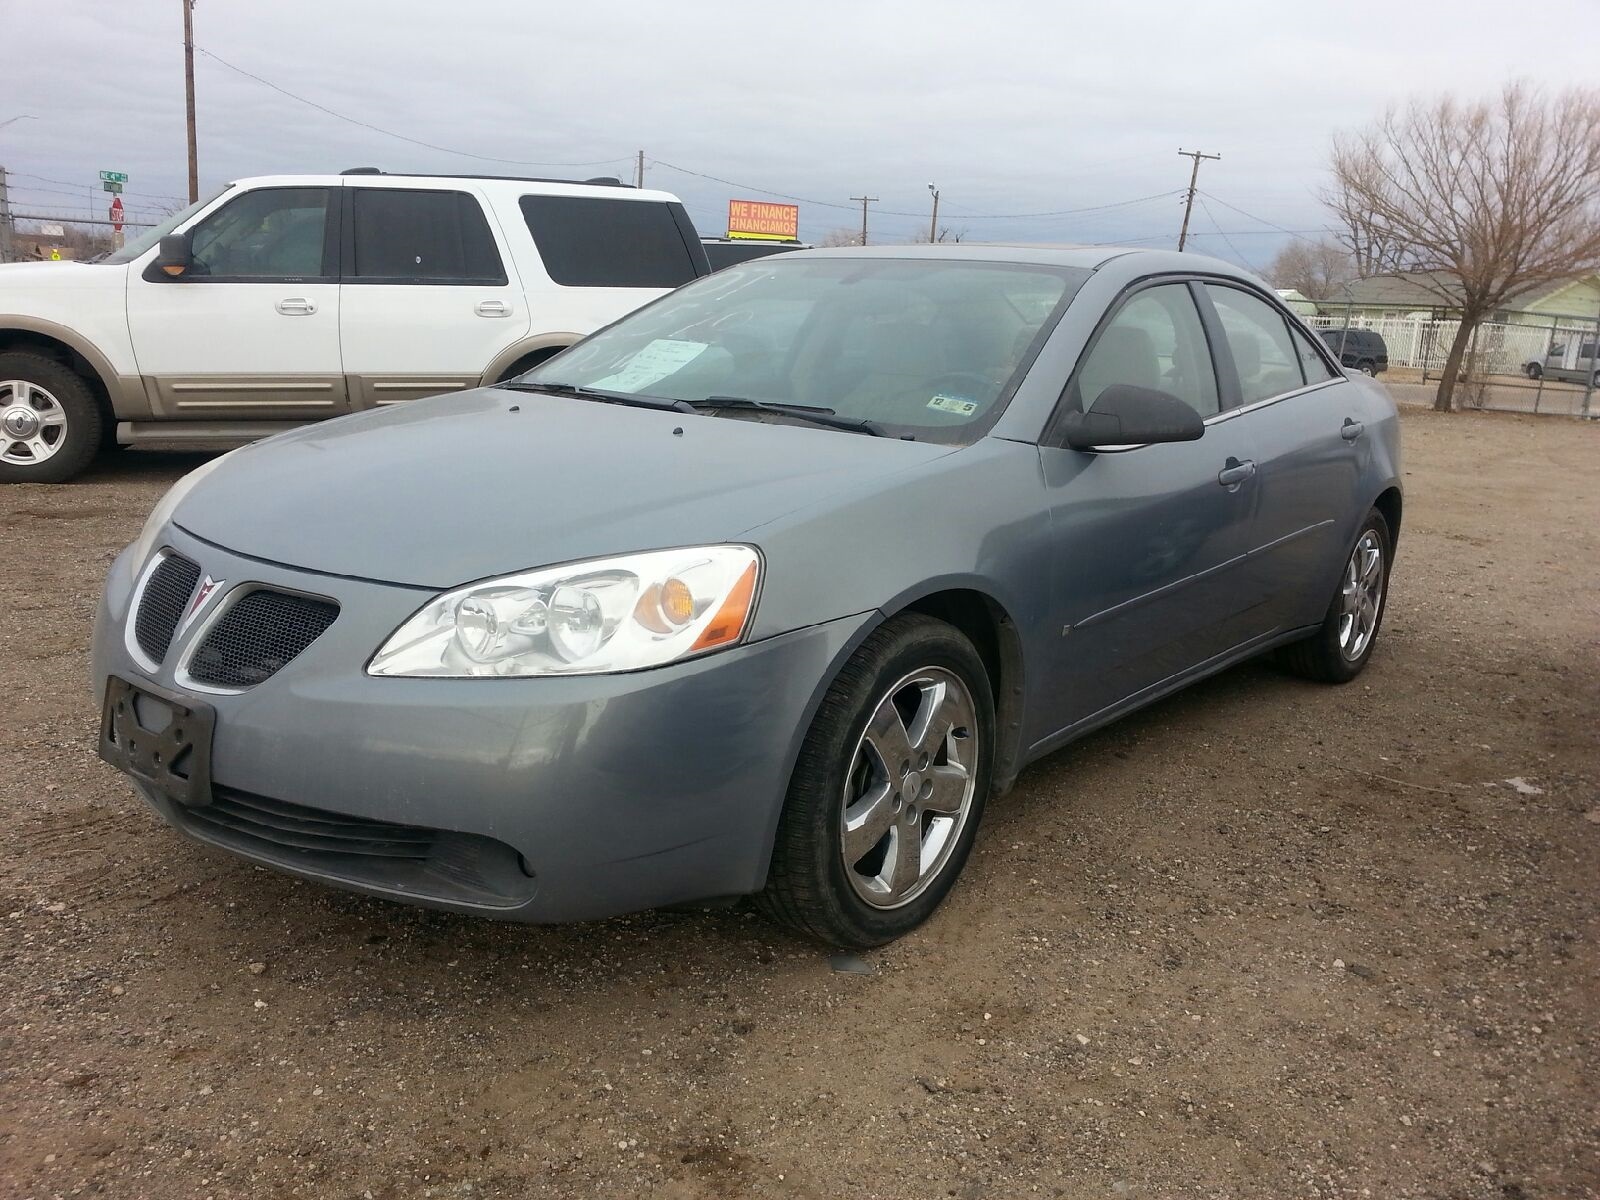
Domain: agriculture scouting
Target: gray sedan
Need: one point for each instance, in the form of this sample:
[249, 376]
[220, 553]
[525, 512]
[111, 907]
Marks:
[766, 589]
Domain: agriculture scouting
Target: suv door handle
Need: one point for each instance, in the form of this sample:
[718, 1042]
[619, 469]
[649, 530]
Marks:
[1235, 472]
[493, 308]
[1352, 429]
[297, 306]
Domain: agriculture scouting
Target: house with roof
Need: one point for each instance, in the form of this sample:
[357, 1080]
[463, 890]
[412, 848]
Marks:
[1419, 295]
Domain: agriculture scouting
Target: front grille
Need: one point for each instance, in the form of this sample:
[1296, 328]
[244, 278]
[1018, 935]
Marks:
[165, 593]
[413, 861]
[257, 635]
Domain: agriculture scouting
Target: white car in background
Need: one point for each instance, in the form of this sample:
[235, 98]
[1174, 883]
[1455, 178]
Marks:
[292, 298]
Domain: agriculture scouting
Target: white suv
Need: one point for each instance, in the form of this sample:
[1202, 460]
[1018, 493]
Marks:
[292, 298]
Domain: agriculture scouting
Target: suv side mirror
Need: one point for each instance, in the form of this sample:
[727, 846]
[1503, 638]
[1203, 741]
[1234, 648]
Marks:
[176, 255]
[1125, 415]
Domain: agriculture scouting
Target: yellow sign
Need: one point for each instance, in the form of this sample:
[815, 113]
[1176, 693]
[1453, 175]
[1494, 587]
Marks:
[759, 221]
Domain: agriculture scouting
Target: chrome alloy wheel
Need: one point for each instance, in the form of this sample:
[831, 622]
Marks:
[1361, 597]
[910, 787]
[33, 425]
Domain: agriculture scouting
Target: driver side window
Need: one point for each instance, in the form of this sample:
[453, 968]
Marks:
[273, 233]
[1155, 341]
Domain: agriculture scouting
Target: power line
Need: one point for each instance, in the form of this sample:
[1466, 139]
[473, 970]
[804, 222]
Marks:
[1239, 258]
[515, 162]
[1263, 220]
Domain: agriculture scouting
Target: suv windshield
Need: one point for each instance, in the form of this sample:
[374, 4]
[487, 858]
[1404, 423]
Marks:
[925, 348]
[150, 237]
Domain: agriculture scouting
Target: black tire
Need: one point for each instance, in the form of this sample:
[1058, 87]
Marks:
[807, 887]
[1321, 656]
[78, 442]
[1533, 370]
[1369, 369]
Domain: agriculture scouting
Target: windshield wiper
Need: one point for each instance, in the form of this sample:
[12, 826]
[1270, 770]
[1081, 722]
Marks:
[804, 412]
[633, 399]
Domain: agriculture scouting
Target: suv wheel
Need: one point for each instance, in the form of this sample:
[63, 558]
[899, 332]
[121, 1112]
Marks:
[1534, 370]
[50, 425]
[1369, 369]
[888, 790]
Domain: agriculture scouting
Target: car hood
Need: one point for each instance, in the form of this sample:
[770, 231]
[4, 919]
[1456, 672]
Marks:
[28, 277]
[456, 488]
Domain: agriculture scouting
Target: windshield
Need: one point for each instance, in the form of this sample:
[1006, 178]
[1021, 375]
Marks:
[150, 237]
[923, 348]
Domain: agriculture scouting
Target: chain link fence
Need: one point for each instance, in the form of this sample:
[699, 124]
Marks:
[1522, 361]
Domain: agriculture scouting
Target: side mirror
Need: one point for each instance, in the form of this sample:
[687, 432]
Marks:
[176, 255]
[1125, 415]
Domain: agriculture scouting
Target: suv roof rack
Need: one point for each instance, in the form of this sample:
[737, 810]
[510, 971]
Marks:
[597, 181]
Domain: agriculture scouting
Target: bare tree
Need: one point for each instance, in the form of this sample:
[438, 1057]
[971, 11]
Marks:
[842, 236]
[1314, 269]
[1497, 197]
[946, 234]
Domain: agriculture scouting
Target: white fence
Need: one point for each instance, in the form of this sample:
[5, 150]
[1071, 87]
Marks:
[1500, 348]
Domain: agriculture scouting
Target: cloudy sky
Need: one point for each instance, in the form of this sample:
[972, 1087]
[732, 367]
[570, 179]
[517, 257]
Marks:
[1044, 107]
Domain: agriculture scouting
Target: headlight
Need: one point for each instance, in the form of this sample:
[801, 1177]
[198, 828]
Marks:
[144, 545]
[586, 618]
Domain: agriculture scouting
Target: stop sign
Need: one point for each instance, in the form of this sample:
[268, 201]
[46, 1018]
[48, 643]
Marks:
[116, 213]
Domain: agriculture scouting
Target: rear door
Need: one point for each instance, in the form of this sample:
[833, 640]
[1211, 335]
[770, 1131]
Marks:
[251, 331]
[429, 296]
[1306, 422]
[1151, 539]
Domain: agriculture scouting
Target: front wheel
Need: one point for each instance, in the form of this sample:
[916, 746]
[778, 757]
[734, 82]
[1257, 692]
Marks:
[50, 425]
[1340, 648]
[888, 790]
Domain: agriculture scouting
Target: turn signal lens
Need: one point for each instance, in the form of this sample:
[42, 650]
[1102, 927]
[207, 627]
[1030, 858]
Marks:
[728, 625]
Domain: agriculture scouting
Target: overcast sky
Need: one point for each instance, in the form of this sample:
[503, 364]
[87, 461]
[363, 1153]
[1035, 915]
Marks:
[1009, 107]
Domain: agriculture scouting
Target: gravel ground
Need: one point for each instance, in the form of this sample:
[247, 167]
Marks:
[1265, 939]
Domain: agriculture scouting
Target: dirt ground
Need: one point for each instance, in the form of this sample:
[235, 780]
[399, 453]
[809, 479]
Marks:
[1267, 938]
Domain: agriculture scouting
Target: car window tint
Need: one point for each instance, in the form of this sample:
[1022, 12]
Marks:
[1258, 336]
[598, 242]
[422, 236]
[1155, 341]
[1312, 365]
[272, 233]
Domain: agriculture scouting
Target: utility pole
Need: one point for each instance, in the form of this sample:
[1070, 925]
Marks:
[638, 172]
[6, 250]
[865, 200]
[188, 96]
[933, 225]
[1194, 176]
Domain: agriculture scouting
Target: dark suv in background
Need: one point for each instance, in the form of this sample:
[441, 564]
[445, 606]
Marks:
[1362, 349]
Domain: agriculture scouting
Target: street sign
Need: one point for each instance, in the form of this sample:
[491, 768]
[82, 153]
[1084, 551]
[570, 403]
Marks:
[113, 177]
[110, 185]
[116, 213]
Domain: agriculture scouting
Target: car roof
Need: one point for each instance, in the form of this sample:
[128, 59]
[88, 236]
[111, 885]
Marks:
[490, 183]
[1137, 260]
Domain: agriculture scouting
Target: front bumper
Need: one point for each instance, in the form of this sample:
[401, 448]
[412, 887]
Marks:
[549, 799]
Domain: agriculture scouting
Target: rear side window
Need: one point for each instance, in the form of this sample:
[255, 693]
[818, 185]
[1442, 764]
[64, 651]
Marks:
[596, 242]
[406, 236]
[1258, 336]
[1312, 365]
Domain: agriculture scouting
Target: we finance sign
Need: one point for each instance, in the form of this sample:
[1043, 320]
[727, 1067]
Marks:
[762, 221]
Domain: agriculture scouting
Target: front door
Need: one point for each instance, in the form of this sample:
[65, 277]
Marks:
[429, 300]
[251, 330]
[1150, 539]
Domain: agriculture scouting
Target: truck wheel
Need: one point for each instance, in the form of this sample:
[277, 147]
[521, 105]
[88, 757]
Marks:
[50, 425]
[888, 790]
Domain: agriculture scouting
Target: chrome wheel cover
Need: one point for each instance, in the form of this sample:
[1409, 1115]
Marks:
[1361, 596]
[910, 787]
[33, 425]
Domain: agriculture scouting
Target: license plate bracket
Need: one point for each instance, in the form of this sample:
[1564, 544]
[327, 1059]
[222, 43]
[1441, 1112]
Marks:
[160, 738]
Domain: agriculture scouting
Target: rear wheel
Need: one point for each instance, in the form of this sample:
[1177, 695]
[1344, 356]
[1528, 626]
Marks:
[50, 425]
[1534, 370]
[888, 790]
[1340, 648]
[1369, 369]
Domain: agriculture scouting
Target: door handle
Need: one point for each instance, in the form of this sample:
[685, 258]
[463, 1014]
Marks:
[493, 308]
[1352, 429]
[1235, 472]
[297, 306]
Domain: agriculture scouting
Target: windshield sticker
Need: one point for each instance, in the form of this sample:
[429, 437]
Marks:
[959, 405]
[652, 364]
